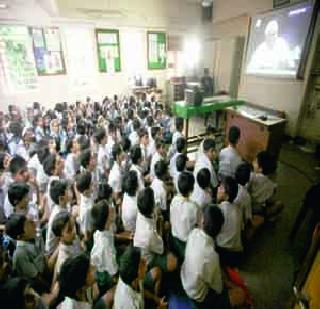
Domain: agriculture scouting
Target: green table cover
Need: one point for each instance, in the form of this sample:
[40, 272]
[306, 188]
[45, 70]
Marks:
[180, 108]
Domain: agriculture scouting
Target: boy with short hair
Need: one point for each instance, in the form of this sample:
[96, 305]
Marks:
[201, 274]
[77, 284]
[181, 147]
[229, 239]
[103, 253]
[229, 157]
[134, 136]
[18, 196]
[184, 214]
[103, 158]
[84, 186]
[202, 194]
[63, 228]
[157, 156]
[136, 158]
[206, 159]
[116, 173]
[262, 188]
[59, 194]
[181, 164]
[129, 208]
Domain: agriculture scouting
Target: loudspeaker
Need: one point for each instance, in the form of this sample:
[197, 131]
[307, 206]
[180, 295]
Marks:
[207, 13]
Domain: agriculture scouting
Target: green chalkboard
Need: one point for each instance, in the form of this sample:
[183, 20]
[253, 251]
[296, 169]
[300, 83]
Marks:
[108, 46]
[157, 50]
[47, 49]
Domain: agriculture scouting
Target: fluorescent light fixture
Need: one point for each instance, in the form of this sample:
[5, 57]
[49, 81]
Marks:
[3, 6]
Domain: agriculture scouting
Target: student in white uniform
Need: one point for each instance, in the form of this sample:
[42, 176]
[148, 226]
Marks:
[103, 160]
[229, 157]
[181, 148]
[103, 253]
[111, 139]
[210, 133]
[59, 193]
[153, 136]
[176, 135]
[84, 186]
[159, 187]
[134, 136]
[136, 159]
[116, 173]
[262, 189]
[144, 146]
[149, 240]
[157, 156]
[184, 214]
[205, 160]
[229, 243]
[201, 274]
[129, 208]
[181, 164]
[78, 285]
[202, 194]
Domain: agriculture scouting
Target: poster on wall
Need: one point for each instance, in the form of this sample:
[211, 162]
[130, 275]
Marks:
[47, 51]
[157, 50]
[108, 46]
[17, 67]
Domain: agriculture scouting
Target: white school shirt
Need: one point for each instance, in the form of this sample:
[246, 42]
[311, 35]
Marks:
[173, 164]
[52, 240]
[230, 234]
[151, 147]
[200, 197]
[109, 145]
[50, 202]
[243, 200]
[129, 211]
[103, 253]
[138, 170]
[229, 160]
[147, 238]
[102, 159]
[204, 162]
[126, 297]
[34, 162]
[134, 138]
[70, 303]
[86, 204]
[155, 158]
[175, 181]
[115, 178]
[175, 137]
[69, 167]
[183, 217]
[200, 270]
[160, 193]
[261, 189]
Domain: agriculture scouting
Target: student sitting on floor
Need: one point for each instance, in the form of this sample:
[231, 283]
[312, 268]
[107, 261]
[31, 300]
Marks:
[202, 194]
[157, 156]
[64, 229]
[78, 286]
[150, 241]
[136, 158]
[184, 214]
[159, 187]
[103, 253]
[28, 260]
[205, 160]
[181, 148]
[129, 208]
[130, 290]
[84, 186]
[262, 188]
[59, 193]
[103, 159]
[201, 274]
[181, 165]
[229, 157]
[229, 239]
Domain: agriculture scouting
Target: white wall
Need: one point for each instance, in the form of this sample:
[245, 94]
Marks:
[176, 17]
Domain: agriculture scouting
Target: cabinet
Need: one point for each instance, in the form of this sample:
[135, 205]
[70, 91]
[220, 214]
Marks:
[261, 129]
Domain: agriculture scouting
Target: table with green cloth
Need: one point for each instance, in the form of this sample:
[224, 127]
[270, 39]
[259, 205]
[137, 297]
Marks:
[209, 104]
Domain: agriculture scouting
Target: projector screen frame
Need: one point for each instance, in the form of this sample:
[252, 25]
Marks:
[300, 71]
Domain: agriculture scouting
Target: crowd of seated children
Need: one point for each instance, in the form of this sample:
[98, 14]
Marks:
[102, 205]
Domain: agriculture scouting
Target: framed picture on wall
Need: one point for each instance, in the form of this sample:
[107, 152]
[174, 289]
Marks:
[157, 50]
[108, 46]
[47, 49]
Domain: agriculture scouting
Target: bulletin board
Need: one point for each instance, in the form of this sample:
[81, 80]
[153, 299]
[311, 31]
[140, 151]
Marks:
[47, 51]
[157, 50]
[108, 46]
